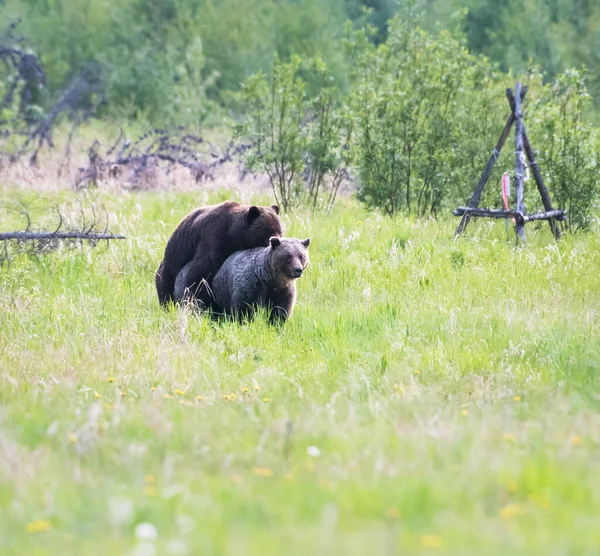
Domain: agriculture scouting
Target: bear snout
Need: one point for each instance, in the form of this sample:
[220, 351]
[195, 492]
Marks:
[297, 272]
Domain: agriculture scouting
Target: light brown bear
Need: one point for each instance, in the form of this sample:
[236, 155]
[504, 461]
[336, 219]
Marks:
[262, 277]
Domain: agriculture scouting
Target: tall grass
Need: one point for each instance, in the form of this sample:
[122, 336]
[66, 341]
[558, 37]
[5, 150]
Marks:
[427, 395]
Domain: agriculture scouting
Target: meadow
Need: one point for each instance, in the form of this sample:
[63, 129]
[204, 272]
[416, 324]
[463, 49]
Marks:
[429, 395]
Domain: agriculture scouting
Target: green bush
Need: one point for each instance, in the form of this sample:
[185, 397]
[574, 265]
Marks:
[569, 148]
[428, 115]
[408, 96]
[299, 138]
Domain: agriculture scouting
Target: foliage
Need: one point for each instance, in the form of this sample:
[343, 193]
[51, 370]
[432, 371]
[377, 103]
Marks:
[274, 127]
[569, 148]
[428, 115]
[408, 96]
[146, 46]
[27, 115]
[173, 61]
[22, 81]
[556, 34]
[328, 154]
[295, 133]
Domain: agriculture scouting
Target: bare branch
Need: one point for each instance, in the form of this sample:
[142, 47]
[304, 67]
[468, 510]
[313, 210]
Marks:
[33, 241]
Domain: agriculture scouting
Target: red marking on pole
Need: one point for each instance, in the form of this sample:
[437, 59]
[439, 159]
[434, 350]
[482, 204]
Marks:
[506, 191]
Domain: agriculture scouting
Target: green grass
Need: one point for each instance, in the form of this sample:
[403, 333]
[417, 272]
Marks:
[450, 387]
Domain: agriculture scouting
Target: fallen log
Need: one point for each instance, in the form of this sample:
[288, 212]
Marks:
[26, 236]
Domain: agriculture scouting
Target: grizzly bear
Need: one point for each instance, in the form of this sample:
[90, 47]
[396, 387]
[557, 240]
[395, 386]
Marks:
[205, 238]
[263, 277]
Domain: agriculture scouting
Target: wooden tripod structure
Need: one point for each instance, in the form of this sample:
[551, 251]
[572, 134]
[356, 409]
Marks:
[522, 143]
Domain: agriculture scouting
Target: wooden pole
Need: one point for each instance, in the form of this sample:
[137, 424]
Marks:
[519, 169]
[474, 201]
[540, 183]
[539, 180]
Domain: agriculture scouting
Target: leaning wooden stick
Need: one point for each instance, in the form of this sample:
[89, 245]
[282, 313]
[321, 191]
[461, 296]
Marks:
[474, 201]
[537, 174]
[519, 167]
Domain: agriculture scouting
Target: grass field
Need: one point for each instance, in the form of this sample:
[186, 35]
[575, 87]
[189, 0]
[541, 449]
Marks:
[428, 396]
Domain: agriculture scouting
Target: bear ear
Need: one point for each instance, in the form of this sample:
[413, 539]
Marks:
[275, 242]
[275, 208]
[253, 213]
[306, 242]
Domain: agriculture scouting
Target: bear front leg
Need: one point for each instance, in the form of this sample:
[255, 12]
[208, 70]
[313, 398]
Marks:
[165, 284]
[281, 305]
[239, 305]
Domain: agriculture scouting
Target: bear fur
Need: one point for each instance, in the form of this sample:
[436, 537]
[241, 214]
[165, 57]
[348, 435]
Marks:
[263, 277]
[205, 238]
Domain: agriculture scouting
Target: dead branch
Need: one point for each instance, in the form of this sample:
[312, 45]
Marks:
[27, 128]
[22, 236]
[156, 148]
[90, 226]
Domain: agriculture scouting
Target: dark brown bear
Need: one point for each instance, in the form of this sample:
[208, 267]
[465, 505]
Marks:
[205, 238]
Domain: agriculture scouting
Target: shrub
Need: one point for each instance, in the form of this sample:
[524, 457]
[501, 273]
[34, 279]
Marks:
[411, 97]
[300, 139]
[569, 148]
[406, 97]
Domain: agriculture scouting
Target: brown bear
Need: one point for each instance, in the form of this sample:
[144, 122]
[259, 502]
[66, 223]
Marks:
[263, 277]
[205, 238]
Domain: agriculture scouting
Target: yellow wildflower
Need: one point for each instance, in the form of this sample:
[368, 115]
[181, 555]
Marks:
[256, 387]
[123, 393]
[179, 392]
[149, 479]
[510, 510]
[111, 379]
[96, 395]
[38, 526]
[517, 398]
[431, 541]
[266, 399]
[200, 398]
[262, 472]
[576, 440]
[465, 412]
[72, 438]
[153, 388]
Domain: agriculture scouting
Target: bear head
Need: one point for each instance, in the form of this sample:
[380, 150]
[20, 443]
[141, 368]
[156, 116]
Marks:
[289, 257]
[261, 223]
